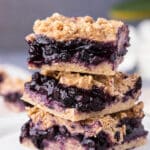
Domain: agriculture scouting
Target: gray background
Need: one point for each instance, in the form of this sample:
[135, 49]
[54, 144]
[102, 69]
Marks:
[17, 16]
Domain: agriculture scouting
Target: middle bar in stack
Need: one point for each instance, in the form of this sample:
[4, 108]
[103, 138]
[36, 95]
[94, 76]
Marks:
[76, 97]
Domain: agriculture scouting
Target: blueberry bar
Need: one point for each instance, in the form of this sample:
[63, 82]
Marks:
[122, 130]
[77, 97]
[11, 89]
[77, 44]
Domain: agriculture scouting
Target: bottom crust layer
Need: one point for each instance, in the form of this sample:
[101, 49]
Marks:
[104, 68]
[75, 145]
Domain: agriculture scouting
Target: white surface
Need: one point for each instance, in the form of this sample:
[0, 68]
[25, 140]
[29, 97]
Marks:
[11, 142]
[11, 124]
[4, 111]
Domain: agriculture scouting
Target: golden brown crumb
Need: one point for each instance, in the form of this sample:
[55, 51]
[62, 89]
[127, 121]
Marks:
[118, 83]
[63, 28]
[136, 111]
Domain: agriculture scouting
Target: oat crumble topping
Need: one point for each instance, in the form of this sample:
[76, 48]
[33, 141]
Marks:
[118, 83]
[62, 28]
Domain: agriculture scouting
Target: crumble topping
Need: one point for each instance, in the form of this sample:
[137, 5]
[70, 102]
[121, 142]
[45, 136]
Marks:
[65, 28]
[88, 127]
[118, 83]
[136, 112]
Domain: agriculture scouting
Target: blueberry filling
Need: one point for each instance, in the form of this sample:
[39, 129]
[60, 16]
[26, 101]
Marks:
[138, 85]
[44, 50]
[15, 98]
[117, 136]
[101, 141]
[50, 93]
[134, 128]
[60, 133]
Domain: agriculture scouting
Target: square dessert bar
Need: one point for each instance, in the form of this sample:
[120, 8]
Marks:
[122, 130]
[77, 44]
[11, 89]
[75, 96]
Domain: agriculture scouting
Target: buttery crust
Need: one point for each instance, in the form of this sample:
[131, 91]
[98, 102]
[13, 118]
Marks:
[76, 145]
[65, 28]
[74, 115]
[103, 68]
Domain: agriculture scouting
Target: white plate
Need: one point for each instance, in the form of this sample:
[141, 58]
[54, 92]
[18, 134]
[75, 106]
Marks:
[11, 142]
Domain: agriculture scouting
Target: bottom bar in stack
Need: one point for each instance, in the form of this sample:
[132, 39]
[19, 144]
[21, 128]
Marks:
[122, 130]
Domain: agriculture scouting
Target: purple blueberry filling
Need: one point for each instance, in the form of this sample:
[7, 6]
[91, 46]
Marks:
[131, 92]
[44, 50]
[57, 133]
[51, 93]
[101, 141]
[15, 98]
[134, 128]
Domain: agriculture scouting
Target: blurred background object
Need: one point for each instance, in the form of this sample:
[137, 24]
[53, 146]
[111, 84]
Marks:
[131, 10]
[17, 18]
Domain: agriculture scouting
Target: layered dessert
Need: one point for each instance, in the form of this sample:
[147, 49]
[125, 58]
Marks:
[11, 89]
[79, 99]
[77, 44]
[122, 130]
[75, 96]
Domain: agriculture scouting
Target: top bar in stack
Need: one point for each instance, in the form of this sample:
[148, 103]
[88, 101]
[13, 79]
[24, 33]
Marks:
[77, 44]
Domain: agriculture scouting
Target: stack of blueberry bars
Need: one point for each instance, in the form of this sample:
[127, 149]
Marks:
[79, 99]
